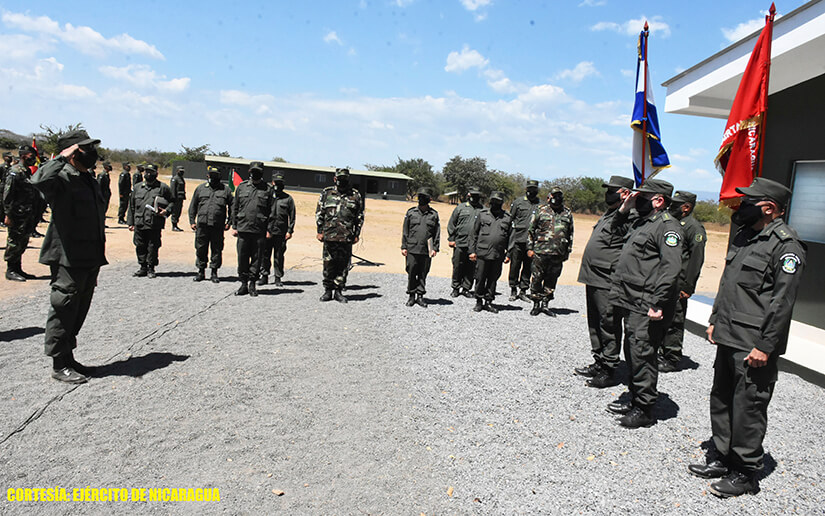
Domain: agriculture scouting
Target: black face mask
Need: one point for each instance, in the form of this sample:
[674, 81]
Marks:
[748, 213]
[475, 199]
[150, 176]
[343, 181]
[532, 194]
[256, 175]
[676, 210]
[279, 187]
[88, 158]
[495, 205]
[423, 201]
[29, 161]
[611, 198]
[644, 206]
[214, 178]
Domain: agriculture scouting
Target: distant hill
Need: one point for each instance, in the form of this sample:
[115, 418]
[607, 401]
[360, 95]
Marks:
[11, 140]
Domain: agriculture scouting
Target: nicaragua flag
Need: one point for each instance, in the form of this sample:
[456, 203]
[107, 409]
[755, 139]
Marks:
[647, 139]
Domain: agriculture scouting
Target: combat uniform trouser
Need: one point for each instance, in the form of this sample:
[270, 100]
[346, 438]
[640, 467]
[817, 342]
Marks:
[487, 274]
[177, 206]
[337, 257]
[124, 205]
[206, 238]
[71, 297]
[273, 256]
[605, 331]
[739, 407]
[520, 267]
[418, 266]
[672, 346]
[546, 272]
[105, 206]
[250, 247]
[464, 269]
[147, 243]
[17, 240]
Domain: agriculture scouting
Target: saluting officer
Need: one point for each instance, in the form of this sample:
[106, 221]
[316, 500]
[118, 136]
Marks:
[281, 227]
[644, 294]
[178, 187]
[419, 244]
[124, 190]
[459, 228]
[251, 211]
[489, 244]
[21, 201]
[210, 214]
[693, 256]
[522, 211]
[598, 261]
[148, 209]
[339, 217]
[549, 242]
[749, 324]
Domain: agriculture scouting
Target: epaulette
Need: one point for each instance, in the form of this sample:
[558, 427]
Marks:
[784, 232]
[666, 216]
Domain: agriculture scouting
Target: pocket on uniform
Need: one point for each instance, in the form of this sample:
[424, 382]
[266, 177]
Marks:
[753, 271]
[60, 297]
[751, 321]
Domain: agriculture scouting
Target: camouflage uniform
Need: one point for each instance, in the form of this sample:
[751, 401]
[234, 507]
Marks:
[550, 237]
[21, 201]
[338, 217]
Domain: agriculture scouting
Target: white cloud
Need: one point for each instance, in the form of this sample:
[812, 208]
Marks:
[474, 5]
[630, 74]
[745, 29]
[143, 76]
[633, 27]
[332, 37]
[82, 38]
[241, 98]
[464, 60]
[20, 47]
[593, 3]
[580, 72]
[43, 80]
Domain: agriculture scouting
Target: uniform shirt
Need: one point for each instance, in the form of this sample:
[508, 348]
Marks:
[144, 195]
[76, 235]
[758, 288]
[178, 186]
[251, 207]
[104, 181]
[124, 183]
[460, 225]
[137, 177]
[20, 198]
[522, 211]
[491, 235]
[693, 253]
[4, 171]
[603, 249]
[549, 232]
[282, 218]
[648, 268]
[339, 215]
[419, 228]
[211, 205]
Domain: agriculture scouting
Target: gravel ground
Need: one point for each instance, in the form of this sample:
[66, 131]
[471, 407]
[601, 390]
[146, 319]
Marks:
[364, 408]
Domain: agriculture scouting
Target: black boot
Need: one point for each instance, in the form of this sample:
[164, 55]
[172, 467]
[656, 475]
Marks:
[479, 305]
[735, 483]
[619, 407]
[455, 293]
[11, 272]
[253, 290]
[151, 273]
[604, 378]
[419, 300]
[589, 371]
[62, 371]
[338, 296]
[200, 276]
[637, 418]
[714, 468]
[214, 278]
[277, 282]
[411, 300]
[524, 296]
[488, 306]
[327, 295]
[536, 308]
[243, 289]
[263, 280]
[141, 273]
[513, 294]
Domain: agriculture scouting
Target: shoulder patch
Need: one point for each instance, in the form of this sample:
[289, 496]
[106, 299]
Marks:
[789, 262]
[672, 238]
[699, 237]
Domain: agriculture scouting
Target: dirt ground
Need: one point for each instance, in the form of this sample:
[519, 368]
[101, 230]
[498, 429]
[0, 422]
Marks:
[380, 243]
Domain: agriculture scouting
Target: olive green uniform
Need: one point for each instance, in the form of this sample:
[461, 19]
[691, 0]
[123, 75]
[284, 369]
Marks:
[459, 228]
[339, 217]
[420, 235]
[178, 187]
[148, 224]
[105, 181]
[489, 241]
[4, 172]
[550, 237]
[251, 210]
[522, 211]
[124, 190]
[74, 249]
[281, 222]
[752, 309]
[21, 201]
[211, 211]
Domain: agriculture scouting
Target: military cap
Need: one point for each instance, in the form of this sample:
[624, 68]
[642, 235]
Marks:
[762, 187]
[278, 178]
[425, 192]
[141, 166]
[681, 197]
[25, 149]
[256, 165]
[656, 186]
[474, 190]
[150, 166]
[210, 168]
[495, 194]
[78, 137]
[532, 183]
[180, 167]
[341, 172]
[619, 182]
[7, 154]
[556, 190]
[125, 164]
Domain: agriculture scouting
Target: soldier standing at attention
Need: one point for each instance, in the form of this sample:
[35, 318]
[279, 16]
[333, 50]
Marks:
[148, 209]
[5, 168]
[749, 324]
[549, 242]
[522, 211]
[178, 187]
[644, 294]
[137, 177]
[489, 243]
[124, 190]
[210, 214]
[598, 261]
[20, 201]
[339, 217]
[419, 244]
[693, 256]
[74, 247]
[251, 210]
[281, 227]
[459, 229]
[105, 182]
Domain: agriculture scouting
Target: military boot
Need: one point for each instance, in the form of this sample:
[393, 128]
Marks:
[536, 308]
[513, 294]
[151, 273]
[12, 273]
[488, 306]
[200, 276]
[479, 305]
[263, 280]
[327, 296]
[411, 300]
[419, 300]
[589, 371]
[714, 468]
[243, 289]
[141, 273]
[637, 418]
[278, 283]
[604, 378]
[253, 290]
[214, 278]
[524, 296]
[619, 407]
[338, 296]
[176, 228]
[735, 483]
[455, 293]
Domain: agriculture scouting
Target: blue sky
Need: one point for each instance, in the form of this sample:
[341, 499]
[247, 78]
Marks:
[540, 88]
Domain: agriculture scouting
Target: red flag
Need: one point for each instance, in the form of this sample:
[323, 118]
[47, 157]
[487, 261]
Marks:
[36, 157]
[236, 180]
[740, 155]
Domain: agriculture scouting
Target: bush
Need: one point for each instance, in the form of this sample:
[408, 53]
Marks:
[711, 211]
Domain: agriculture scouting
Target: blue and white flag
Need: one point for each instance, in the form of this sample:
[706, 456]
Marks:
[649, 155]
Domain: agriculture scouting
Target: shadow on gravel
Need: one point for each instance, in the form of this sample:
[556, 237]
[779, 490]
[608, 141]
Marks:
[438, 301]
[301, 283]
[363, 297]
[687, 363]
[176, 274]
[138, 366]
[509, 308]
[276, 291]
[360, 287]
[562, 311]
[20, 333]
[665, 408]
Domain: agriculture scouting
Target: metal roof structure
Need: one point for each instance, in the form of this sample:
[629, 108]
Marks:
[307, 168]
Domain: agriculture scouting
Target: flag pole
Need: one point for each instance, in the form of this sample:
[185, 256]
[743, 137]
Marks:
[768, 21]
[644, 106]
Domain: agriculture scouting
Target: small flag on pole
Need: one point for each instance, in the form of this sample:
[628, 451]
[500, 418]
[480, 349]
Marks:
[234, 180]
[649, 156]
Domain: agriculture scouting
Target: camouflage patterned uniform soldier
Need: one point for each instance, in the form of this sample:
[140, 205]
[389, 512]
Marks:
[693, 256]
[105, 181]
[281, 227]
[178, 187]
[459, 228]
[251, 211]
[420, 239]
[21, 201]
[146, 223]
[644, 294]
[598, 261]
[522, 211]
[5, 168]
[339, 217]
[210, 214]
[124, 190]
[549, 242]
[489, 245]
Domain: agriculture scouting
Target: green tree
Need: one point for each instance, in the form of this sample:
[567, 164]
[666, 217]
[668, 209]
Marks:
[462, 173]
[422, 175]
[711, 211]
[47, 140]
[194, 153]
